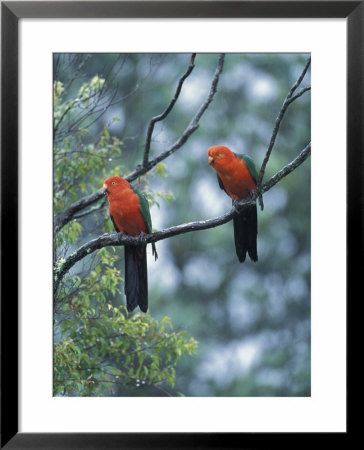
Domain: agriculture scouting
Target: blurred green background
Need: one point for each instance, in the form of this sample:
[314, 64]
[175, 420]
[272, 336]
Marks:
[251, 320]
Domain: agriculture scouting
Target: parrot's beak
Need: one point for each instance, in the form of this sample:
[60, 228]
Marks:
[105, 189]
[211, 160]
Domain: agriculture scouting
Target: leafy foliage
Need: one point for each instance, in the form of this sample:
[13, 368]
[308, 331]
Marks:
[99, 348]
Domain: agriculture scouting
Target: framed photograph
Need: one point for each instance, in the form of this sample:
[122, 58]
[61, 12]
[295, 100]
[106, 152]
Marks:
[175, 260]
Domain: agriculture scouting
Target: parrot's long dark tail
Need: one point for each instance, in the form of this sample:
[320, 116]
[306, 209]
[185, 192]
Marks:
[245, 234]
[136, 277]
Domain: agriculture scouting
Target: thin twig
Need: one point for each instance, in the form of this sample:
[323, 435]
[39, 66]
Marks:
[90, 211]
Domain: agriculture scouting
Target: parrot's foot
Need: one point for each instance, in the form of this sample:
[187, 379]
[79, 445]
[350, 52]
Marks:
[142, 238]
[238, 205]
[121, 235]
[252, 194]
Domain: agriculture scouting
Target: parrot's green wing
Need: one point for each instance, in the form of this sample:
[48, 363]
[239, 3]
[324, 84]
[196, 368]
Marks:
[144, 209]
[250, 165]
[145, 212]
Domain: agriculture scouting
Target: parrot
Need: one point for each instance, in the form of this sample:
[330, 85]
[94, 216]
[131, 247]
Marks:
[237, 176]
[129, 212]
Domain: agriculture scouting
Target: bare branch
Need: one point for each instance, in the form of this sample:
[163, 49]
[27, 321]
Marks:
[115, 239]
[301, 92]
[165, 113]
[193, 125]
[286, 169]
[288, 100]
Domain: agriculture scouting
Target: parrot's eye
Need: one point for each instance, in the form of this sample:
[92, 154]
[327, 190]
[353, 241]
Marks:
[113, 182]
[219, 154]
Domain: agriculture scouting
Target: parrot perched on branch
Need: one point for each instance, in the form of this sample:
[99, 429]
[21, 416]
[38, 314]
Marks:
[129, 211]
[237, 176]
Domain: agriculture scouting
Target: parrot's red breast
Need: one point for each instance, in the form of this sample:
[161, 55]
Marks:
[124, 206]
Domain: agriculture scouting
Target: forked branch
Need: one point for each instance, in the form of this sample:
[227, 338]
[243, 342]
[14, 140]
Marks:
[165, 113]
[288, 100]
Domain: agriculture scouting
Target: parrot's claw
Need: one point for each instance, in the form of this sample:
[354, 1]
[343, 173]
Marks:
[142, 238]
[252, 194]
[255, 195]
[238, 204]
[121, 234]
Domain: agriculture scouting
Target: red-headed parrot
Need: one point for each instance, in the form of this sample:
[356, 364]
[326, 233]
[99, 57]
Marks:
[237, 176]
[129, 211]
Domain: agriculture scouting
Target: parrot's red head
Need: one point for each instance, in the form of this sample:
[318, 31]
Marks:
[219, 155]
[114, 184]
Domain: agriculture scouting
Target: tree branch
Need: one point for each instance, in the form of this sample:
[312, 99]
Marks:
[116, 239]
[90, 211]
[193, 125]
[67, 215]
[305, 153]
[165, 113]
[288, 100]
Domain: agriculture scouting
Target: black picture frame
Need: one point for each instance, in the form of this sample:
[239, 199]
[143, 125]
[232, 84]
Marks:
[11, 12]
